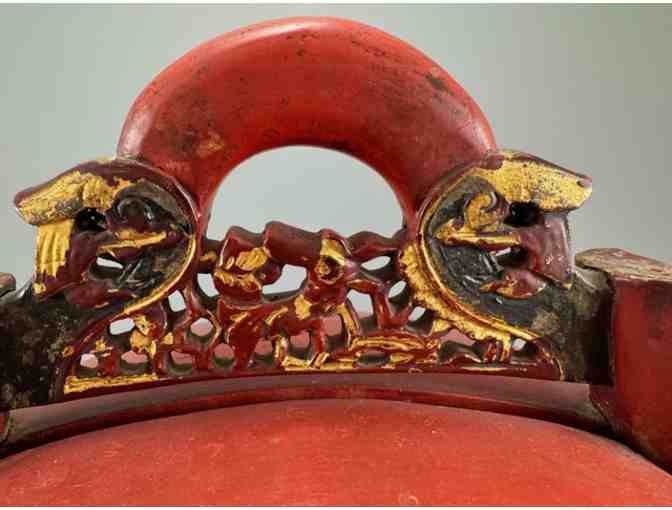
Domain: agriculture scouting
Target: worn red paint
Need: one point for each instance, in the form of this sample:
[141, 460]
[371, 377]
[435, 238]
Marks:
[639, 403]
[335, 452]
[342, 85]
[4, 426]
[563, 403]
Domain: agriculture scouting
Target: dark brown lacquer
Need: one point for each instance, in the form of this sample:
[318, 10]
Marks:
[478, 279]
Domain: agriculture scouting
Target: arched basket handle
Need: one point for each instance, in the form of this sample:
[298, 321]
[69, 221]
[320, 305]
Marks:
[324, 82]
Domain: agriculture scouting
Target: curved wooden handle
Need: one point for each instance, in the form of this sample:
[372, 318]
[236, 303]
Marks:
[325, 82]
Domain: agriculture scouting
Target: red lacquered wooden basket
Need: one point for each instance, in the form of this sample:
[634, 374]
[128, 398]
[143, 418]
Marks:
[504, 373]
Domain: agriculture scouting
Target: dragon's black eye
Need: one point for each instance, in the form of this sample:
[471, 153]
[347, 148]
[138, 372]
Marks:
[90, 219]
[522, 214]
[132, 207]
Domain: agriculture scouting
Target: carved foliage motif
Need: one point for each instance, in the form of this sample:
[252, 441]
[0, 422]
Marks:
[463, 292]
[483, 281]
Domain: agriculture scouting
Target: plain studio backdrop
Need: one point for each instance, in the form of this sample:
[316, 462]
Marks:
[584, 87]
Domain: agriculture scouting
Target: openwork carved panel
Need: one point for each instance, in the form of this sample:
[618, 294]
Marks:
[482, 283]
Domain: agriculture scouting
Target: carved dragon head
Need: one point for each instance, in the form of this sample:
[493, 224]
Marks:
[492, 253]
[513, 207]
[110, 235]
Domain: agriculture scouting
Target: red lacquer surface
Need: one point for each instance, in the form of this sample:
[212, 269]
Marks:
[554, 401]
[639, 403]
[335, 452]
[326, 82]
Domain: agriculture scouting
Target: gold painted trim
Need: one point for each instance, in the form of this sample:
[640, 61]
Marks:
[252, 259]
[162, 290]
[131, 239]
[302, 307]
[74, 384]
[271, 318]
[53, 244]
[47, 204]
[522, 179]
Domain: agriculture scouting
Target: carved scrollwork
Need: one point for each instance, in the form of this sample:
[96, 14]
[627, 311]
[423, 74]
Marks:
[487, 284]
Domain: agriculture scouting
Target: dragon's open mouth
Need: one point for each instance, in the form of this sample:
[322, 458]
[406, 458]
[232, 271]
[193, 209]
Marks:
[136, 275]
[539, 256]
[514, 257]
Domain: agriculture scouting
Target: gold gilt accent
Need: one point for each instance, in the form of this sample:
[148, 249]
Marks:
[74, 384]
[253, 259]
[508, 288]
[481, 214]
[101, 346]
[210, 256]
[163, 289]
[440, 325]
[70, 192]
[449, 235]
[521, 179]
[210, 145]
[248, 282]
[431, 359]
[141, 343]
[322, 269]
[129, 238]
[334, 250]
[279, 347]
[482, 368]
[447, 305]
[316, 362]
[169, 339]
[239, 317]
[330, 250]
[302, 307]
[320, 359]
[270, 319]
[348, 362]
[398, 358]
[405, 349]
[481, 222]
[53, 243]
[67, 351]
[142, 323]
[292, 364]
[349, 322]
[340, 364]
[388, 343]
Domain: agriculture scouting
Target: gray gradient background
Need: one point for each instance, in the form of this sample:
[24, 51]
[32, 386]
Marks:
[584, 87]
